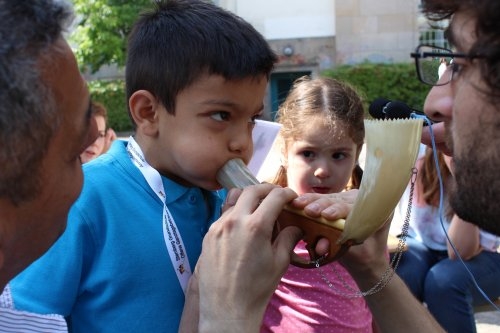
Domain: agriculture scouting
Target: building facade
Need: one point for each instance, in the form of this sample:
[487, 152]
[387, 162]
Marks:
[310, 37]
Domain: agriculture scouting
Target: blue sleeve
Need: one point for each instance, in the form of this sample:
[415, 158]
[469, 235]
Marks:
[51, 283]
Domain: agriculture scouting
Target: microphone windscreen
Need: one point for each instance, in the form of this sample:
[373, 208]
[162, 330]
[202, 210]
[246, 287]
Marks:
[398, 110]
[376, 108]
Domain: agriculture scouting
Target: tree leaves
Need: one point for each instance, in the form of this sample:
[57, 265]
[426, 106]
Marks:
[102, 27]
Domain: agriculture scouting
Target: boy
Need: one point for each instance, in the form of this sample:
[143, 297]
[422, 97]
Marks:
[196, 78]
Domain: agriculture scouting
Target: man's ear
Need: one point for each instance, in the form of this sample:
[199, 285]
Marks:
[144, 108]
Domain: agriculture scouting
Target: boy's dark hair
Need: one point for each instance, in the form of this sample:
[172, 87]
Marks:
[180, 40]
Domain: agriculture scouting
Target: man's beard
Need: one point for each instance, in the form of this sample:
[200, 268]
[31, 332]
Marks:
[476, 193]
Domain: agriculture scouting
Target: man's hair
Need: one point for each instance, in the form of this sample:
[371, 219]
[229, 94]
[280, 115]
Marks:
[28, 114]
[487, 45]
[178, 41]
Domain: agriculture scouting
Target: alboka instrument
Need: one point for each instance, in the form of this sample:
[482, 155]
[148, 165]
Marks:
[391, 151]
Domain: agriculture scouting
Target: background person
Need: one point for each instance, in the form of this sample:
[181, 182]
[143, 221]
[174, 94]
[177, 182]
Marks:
[105, 135]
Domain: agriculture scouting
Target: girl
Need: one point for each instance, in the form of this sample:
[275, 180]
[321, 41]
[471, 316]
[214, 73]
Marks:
[320, 141]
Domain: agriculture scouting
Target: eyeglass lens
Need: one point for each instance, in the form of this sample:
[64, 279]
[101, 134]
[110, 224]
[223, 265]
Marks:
[433, 67]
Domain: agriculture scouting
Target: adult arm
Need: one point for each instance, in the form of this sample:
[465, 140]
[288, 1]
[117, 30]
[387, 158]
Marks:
[394, 307]
[465, 238]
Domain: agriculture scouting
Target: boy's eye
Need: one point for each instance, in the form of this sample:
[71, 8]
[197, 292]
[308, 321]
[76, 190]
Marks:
[220, 116]
[338, 156]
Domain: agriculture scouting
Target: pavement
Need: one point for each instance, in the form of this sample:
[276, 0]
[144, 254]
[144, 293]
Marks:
[488, 322]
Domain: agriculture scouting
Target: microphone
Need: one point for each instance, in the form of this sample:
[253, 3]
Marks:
[383, 108]
[377, 108]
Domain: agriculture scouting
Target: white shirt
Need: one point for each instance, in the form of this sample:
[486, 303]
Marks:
[13, 321]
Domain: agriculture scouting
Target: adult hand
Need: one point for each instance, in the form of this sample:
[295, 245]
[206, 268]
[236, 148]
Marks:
[240, 266]
[367, 262]
[331, 206]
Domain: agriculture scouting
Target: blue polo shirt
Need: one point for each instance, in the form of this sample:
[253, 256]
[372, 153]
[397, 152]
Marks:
[110, 271]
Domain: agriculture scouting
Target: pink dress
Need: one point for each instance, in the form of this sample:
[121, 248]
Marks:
[304, 302]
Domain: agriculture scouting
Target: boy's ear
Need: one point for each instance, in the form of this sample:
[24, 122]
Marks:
[144, 108]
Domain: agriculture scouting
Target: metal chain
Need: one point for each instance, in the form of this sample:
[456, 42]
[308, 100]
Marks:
[389, 273]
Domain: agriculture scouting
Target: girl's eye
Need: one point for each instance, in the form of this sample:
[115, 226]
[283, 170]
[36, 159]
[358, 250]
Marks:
[338, 156]
[307, 154]
[220, 116]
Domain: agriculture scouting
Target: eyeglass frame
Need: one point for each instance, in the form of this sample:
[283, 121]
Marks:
[422, 55]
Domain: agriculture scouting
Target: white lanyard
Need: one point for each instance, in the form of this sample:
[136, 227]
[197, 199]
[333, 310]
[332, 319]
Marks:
[171, 235]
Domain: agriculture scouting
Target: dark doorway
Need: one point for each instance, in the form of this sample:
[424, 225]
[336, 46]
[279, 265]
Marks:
[280, 86]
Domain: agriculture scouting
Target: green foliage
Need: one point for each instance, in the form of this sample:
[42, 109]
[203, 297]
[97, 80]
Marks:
[112, 95]
[392, 81]
[101, 33]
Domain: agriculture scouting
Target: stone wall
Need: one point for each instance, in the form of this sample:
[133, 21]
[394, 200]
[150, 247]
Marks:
[375, 31]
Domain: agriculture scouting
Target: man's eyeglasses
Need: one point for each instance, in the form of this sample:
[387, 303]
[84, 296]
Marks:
[435, 65]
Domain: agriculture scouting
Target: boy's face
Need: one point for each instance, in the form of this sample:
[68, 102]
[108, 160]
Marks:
[213, 123]
[319, 162]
